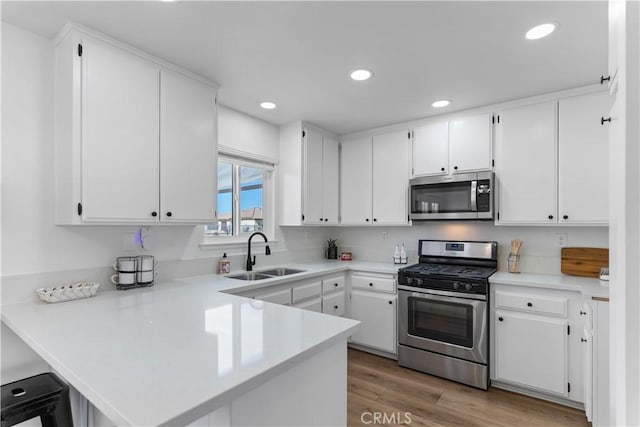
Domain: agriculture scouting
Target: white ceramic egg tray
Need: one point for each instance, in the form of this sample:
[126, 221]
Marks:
[68, 292]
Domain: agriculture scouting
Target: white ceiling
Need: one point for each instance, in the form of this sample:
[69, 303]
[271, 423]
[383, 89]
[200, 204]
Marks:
[299, 54]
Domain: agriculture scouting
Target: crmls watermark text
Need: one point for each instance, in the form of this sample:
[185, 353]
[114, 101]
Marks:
[385, 418]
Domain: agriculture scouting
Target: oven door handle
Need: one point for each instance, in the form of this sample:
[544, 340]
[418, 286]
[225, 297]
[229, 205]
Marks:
[447, 294]
[474, 196]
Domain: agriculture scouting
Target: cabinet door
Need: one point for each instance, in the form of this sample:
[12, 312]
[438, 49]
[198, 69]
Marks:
[531, 351]
[330, 180]
[355, 185]
[390, 178]
[334, 304]
[377, 312]
[526, 153]
[470, 143]
[120, 135]
[188, 150]
[583, 148]
[313, 154]
[430, 149]
[314, 304]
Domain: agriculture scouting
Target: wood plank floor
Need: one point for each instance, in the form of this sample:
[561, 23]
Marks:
[377, 384]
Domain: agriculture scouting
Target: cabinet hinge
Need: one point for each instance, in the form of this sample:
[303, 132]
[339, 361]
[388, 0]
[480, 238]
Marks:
[568, 329]
[304, 134]
[568, 387]
[79, 50]
[79, 209]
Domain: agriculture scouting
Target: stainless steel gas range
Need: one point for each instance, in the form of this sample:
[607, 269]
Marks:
[443, 310]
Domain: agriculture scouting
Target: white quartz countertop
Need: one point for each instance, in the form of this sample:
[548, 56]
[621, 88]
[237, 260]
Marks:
[589, 287]
[169, 354]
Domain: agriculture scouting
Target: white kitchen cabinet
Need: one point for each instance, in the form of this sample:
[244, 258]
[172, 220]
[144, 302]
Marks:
[470, 139]
[583, 159]
[460, 144]
[537, 341]
[377, 312]
[374, 172]
[278, 296]
[188, 131]
[309, 171]
[135, 137]
[531, 351]
[431, 149]
[306, 291]
[526, 153]
[333, 295]
[596, 350]
[314, 304]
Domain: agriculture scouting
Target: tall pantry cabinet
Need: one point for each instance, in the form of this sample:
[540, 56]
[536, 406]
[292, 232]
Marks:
[136, 138]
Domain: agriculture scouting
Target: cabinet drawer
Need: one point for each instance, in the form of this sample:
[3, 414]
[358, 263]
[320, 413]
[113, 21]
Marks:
[555, 306]
[334, 304]
[382, 284]
[314, 304]
[282, 296]
[333, 284]
[307, 291]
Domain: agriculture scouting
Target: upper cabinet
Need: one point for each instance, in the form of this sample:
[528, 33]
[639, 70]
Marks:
[136, 140]
[551, 159]
[374, 180]
[460, 144]
[309, 175]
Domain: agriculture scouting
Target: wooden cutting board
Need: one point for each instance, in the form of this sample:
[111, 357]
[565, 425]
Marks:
[584, 262]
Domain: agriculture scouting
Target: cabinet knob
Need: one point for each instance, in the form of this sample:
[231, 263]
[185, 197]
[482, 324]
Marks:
[321, 219]
[501, 318]
[335, 284]
[370, 284]
[602, 120]
[604, 79]
[375, 219]
[326, 219]
[154, 213]
[529, 304]
[367, 219]
[550, 216]
[455, 168]
[169, 214]
[583, 340]
[565, 216]
[335, 307]
[390, 302]
[442, 169]
[583, 313]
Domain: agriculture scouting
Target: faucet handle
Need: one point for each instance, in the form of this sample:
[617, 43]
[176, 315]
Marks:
[253, 261]
[267, 250]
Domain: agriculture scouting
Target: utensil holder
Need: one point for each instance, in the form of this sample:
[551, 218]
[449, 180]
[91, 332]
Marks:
[514, 263]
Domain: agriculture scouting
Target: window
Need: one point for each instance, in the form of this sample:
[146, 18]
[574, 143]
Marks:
[243, 193]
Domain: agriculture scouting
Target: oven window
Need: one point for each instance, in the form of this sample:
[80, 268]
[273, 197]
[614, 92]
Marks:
[442, 321]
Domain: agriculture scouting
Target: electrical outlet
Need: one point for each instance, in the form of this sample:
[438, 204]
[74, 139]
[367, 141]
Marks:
[561, 240]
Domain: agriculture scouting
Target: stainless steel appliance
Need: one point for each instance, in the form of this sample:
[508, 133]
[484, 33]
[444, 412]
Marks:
[463, 196]
[443, 310]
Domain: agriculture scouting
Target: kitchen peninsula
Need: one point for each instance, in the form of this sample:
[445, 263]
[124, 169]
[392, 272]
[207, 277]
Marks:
[182, 352]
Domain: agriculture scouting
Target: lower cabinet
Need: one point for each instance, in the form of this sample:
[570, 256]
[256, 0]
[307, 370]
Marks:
[333, 295]
[596, 354]
[314, 304]
[532, 351]
[537, 341]
[374, 303]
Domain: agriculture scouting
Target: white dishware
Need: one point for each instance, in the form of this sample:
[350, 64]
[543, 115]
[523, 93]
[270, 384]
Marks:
[126, 264]
[146, 263]
[146, 277]
[124, 278]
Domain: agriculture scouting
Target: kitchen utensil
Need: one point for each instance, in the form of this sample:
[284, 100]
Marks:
[585, 262]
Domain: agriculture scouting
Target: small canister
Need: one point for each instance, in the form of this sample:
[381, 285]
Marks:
[346, 256]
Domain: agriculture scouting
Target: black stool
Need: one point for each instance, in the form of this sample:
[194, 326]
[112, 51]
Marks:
[43, 395]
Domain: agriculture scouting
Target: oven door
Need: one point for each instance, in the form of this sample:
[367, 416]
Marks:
[448, 325]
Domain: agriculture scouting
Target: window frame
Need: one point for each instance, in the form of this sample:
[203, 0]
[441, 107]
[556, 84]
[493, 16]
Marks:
[268, 198]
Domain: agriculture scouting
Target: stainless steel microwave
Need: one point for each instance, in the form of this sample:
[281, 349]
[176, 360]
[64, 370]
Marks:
[463, 196]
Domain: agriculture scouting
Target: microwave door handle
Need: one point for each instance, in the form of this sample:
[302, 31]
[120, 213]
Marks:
[474, 198]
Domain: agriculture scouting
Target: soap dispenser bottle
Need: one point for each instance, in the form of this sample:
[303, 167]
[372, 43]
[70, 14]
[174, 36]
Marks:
[224, 266]
[396, 255]
[403, 255]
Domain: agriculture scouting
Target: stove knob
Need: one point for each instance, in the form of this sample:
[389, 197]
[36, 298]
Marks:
[468, 286]
[409, 280]
[419, 282]
[456, 285]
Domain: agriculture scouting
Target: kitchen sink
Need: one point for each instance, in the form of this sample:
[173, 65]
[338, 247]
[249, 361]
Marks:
[265, 274]
[250, 276]
[282, 271]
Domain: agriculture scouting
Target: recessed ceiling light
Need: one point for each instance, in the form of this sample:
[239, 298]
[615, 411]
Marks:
[441, 103]
[268, 105]
[360, 75]
[540, 31]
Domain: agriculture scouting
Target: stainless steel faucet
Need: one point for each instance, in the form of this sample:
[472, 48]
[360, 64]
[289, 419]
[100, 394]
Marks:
[267, 251]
